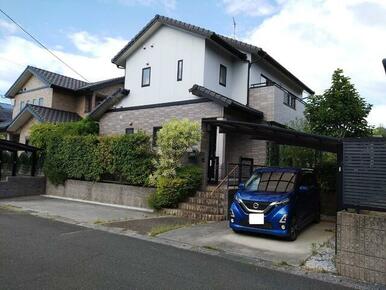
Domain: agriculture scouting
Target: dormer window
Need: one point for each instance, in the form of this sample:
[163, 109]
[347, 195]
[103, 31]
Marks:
[223, 75]
[146, 72]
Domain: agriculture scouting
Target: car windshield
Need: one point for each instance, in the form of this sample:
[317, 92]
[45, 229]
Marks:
[273, 181]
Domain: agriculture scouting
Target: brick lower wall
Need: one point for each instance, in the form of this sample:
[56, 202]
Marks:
[361, 246]
[146, 119]
[22, 186]
[243, 146]
[120, 194]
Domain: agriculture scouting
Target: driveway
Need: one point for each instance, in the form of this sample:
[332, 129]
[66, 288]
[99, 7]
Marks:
[219, 236]
[40, 253]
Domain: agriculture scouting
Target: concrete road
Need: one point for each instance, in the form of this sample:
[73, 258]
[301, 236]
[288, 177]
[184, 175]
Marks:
[38, 253]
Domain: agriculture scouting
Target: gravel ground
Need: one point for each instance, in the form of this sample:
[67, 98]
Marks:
[323, 258]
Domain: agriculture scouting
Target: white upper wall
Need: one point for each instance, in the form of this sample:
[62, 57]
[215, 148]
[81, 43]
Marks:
[161, 52]
[237, 73]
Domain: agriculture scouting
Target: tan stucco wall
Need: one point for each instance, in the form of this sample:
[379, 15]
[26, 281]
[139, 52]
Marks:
[33, 83]
[64, 101]
[25, 130]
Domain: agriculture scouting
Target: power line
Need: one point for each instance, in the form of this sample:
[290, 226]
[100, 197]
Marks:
[42, 45]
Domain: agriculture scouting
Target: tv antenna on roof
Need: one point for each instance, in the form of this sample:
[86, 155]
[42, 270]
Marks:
[234, 28]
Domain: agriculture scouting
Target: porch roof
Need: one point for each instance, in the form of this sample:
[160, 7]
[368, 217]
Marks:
[284, 136]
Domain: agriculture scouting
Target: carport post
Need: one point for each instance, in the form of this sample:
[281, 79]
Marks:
[339, 180]
[33, 166]
[1, 161]
[14, 162]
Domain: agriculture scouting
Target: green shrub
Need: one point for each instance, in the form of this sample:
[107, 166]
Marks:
[131, 158]
[41, 134]
[172, 190]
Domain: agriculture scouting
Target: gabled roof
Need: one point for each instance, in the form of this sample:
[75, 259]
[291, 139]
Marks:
[107, 103]
[51, 79]
[203, 92]
[41, 114]
[234, 46]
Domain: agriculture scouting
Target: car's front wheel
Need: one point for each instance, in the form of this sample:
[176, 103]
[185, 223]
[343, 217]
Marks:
[293, 230]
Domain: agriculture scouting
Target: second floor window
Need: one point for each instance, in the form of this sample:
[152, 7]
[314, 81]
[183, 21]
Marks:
[180, 66]
[41, 102]
[146, 76]
[290, 100]
[34, 101]
[21, 105]
[223, 75]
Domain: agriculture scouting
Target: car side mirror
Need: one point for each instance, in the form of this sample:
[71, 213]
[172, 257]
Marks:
[241, 186]
[304, 189]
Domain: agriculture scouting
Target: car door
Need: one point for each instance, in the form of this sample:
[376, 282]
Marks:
[305, 193]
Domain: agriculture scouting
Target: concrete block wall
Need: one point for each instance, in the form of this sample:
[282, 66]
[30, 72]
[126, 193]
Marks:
[120, 194]
[22, 186]
[361, 246]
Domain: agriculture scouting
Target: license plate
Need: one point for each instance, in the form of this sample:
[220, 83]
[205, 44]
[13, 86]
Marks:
[256, 218]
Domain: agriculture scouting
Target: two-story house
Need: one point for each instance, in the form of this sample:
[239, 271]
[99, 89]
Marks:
[43, 96]
[177, 70]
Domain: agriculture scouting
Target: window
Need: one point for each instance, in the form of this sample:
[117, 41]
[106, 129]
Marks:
[41, 101]
[146, 76]
[180, 66]
[129, 131]
[34, 101]
[21, 105]
[290, 100]
[223, 75]
[155, 132]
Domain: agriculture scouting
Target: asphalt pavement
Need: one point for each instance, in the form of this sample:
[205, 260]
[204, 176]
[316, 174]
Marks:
[40, 253]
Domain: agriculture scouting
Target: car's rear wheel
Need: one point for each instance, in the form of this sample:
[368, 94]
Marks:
[293, 230]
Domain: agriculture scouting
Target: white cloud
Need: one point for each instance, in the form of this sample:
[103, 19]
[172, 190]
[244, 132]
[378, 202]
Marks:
[378, 115]
[92, 58]
[251, 7]
[314, 37]
[7, 27]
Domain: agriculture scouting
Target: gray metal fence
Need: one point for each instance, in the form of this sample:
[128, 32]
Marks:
[364, 173]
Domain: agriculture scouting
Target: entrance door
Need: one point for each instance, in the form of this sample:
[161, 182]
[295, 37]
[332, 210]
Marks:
[213, 160]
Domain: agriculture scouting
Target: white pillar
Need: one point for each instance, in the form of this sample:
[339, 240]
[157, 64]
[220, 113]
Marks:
[220, 152]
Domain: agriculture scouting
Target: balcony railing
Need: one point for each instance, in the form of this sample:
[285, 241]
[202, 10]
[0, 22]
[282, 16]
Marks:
[289, 98]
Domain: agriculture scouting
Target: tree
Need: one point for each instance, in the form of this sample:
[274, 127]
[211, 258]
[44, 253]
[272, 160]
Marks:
[380, 131]
[340, 111]
[173, 141]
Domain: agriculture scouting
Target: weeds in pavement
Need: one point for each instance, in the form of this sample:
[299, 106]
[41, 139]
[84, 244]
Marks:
[164, 228]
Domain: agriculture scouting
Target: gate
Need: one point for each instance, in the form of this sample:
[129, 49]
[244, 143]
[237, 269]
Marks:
[364, 173]
[245, 169]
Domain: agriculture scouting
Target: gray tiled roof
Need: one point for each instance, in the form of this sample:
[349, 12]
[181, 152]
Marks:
[107, 103]
[44, 114]
[203, 92]
[96, 85]
[189, 27]
[58, 80]
[5, 112]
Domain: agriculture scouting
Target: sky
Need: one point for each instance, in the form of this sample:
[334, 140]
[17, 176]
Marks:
[311, 38]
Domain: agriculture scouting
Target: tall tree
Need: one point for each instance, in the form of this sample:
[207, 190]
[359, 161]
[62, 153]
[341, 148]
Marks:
[340, 111]
[380, 131]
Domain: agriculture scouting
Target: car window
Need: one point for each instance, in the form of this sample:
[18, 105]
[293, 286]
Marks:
[273, 181]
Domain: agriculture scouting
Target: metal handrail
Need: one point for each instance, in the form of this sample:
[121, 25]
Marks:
[225, 179]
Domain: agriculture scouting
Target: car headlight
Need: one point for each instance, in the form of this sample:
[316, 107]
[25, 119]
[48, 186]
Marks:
[237, 198]
[282, 202]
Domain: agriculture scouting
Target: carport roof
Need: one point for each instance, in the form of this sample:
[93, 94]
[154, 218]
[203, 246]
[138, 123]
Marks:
[284, 136]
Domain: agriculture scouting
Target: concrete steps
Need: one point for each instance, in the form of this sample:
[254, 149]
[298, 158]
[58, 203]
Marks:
[204, 206]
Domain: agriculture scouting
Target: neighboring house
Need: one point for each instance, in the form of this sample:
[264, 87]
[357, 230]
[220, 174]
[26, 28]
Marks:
[43, 96]
[5, 116]
[178, 70]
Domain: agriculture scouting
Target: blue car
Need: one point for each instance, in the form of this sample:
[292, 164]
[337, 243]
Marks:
[276, 201]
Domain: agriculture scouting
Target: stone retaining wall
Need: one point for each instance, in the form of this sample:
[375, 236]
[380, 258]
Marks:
[361, 246]
[134, 196]
[22, 186]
